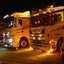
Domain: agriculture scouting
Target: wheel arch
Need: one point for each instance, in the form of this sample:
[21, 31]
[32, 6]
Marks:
[25, 38]
[59, 43]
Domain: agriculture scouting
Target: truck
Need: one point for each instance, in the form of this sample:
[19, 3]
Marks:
[47, 29]
[16, 32]
[2, 26]
[41, 30]
[57, 33]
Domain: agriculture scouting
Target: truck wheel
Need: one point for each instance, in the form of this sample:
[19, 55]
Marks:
[58, 46]
[59, 43]
[23, 43]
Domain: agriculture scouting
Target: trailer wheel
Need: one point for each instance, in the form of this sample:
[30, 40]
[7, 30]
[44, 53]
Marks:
[59, 43]
[58, 46]
[23, 43]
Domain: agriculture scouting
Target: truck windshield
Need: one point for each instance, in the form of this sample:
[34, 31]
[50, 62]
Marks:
[42, 19]
[62, 50]
[8, 22]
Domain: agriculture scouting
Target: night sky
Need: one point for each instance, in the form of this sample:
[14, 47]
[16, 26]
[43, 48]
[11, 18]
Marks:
[10, 6]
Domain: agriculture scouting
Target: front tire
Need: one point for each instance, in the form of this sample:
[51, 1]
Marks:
[23, 43]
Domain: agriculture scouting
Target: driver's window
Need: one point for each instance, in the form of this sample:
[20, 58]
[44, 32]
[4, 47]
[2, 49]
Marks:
[20, 23]
[17, 22]
[14, 22]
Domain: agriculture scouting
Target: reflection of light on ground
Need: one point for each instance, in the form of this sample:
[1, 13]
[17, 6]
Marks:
[1, 49]
[26, 49]
[40, 56]
[51, 50]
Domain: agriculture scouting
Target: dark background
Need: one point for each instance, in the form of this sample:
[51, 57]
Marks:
[10, 6]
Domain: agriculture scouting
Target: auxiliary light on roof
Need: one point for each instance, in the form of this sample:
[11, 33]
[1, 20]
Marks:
[6, 16]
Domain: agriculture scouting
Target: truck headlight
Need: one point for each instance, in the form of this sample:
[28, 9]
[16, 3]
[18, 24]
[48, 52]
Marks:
[6, 45]
[3, 34]
[10, 40]
[8, 33]
[40, 34]
[32, 34]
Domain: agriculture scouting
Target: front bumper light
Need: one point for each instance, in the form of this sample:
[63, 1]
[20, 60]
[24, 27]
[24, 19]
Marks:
[39, 38]
[40, 34]
[34, 38]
